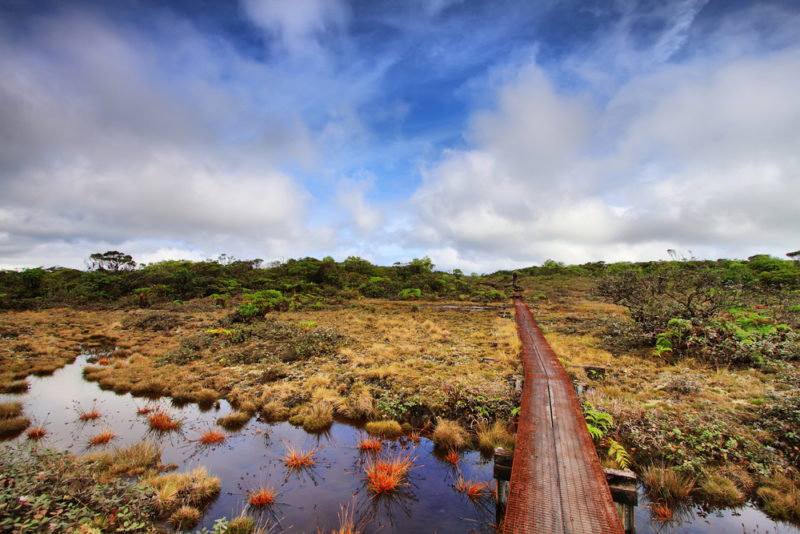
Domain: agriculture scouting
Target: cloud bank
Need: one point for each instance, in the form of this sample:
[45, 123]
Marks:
[483, 136]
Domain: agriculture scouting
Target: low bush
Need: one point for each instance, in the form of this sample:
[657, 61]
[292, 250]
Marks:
[44, 490]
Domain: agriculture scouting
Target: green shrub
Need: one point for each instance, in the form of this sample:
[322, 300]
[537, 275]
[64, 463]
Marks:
[44, 490]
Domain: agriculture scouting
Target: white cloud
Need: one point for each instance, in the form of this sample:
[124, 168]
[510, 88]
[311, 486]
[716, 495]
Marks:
[700, 156]
[298, 24]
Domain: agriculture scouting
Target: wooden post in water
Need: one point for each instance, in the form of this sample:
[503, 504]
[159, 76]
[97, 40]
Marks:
[502, 474]
[625, 494]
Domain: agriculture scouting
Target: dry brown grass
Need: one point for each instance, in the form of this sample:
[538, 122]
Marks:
[10, 409]
[384, 429]
[449, 435]
[235, 420]
[496, 435]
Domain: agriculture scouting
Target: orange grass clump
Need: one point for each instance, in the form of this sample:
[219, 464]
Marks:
[661, 512]
[91, 415]
[385, 476]
[370, 445]
[36, 433]
[262, 497]
[212, 436]
[299, 459]
[452, 457]
[102, 438]
[104, 361]
[144, 410]
[474, 490]
[161, 421]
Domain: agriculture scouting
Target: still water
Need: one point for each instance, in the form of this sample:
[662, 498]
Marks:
[309, 500]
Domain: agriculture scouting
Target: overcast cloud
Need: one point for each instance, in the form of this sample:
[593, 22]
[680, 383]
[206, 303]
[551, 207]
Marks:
[483, 135]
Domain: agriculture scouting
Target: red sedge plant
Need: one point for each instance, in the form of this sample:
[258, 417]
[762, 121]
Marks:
[295, 459]
[370, 445]
[102, 438]
[262, 497]
[385, 476]
[36, 433]
[212, 436]
[161, 421]
[452, 457]
[474, 490]
[90, 415]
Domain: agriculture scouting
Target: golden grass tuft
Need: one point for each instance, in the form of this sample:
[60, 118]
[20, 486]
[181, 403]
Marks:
[162, 421]
[318, 417]
[496, 435]
[14, 387]
[781, 497]
[262, 497]
[449, 435]
[274, 411]
[102, 438]
[185, 518]
[130, 461]
[241, 525]
[385, 429]
[235, 420]
[10, 409]
[13, 426]
[183, 489]
[206, 397]
[721, 491]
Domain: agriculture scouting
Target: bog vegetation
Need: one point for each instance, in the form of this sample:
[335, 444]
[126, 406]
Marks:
[689, 369]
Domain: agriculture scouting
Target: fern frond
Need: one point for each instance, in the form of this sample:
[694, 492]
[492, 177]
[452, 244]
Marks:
[619, 454]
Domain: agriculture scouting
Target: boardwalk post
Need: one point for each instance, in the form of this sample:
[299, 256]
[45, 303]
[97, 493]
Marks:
[502, 474]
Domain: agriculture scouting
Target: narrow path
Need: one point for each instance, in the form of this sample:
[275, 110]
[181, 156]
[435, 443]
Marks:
[557, 483]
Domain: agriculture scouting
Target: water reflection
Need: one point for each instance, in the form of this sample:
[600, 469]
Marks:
[307, 499]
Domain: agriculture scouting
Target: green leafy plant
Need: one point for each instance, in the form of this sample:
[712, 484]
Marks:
[597, 423]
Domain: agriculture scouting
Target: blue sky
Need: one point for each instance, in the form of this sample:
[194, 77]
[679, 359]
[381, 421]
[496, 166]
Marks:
[483, 134]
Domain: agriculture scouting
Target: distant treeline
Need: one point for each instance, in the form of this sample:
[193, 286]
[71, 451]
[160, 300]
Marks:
[114, 278]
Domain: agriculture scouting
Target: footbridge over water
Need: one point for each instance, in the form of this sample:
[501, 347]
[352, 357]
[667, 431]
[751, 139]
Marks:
[557, 482]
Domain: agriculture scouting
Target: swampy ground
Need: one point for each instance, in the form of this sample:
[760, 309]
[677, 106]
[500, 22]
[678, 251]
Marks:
[701, 403]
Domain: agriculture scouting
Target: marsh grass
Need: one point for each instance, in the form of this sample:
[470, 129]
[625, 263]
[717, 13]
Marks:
[185, 518]
[136, 459]
[721, 491]
[781, 497]
[496, 435]
[234, 421]
[384, 429]
[387, 475]
[667, 485]
[262, 497]
[87, 415]
[13, 426]
[370, 445]
[175, 490]
[212, 437]
[36, 433]
[15, 387]
[103, 437]
[452, 457]
[299, 459]
[162, 421]
[10, 409]
[449, 435]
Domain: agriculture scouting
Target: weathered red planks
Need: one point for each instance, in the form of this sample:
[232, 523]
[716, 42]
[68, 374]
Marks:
[557, 483]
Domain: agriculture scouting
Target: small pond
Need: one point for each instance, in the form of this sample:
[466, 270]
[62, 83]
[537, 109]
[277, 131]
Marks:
[311, 499]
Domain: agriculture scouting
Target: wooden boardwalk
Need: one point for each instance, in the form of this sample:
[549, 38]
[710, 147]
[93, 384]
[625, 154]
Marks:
[557, 483]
